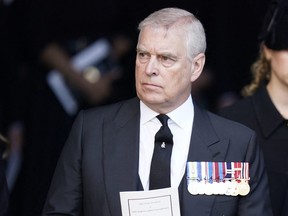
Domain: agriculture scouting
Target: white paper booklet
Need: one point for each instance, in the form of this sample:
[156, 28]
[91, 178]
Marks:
[154, 202]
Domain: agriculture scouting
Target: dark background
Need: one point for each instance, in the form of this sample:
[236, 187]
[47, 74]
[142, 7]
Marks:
[28, 25]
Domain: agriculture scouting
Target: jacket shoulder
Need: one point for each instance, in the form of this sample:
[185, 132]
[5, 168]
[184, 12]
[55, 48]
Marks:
[110, 110]
[242, 111]
[225, 122]
[240, 106]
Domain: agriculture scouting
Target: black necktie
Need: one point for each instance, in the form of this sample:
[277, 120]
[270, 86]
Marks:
[160, 164]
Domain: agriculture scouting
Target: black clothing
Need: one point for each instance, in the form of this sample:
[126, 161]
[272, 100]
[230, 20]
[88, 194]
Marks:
[4, 195]
[259, 113]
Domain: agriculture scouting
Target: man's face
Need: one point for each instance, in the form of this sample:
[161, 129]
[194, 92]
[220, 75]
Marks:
[163, 70]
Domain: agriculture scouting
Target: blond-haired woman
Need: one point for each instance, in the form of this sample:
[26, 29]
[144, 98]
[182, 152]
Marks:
[265, 106]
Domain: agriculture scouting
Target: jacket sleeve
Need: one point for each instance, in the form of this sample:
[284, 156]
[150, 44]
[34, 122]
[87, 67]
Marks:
[65, 193]
[257, 202]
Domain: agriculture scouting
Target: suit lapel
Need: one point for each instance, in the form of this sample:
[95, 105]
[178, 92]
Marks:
[121, 153]
[205, 143]
[205, 146]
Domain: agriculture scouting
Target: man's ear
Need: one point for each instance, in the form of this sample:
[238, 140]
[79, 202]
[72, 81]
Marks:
[198, 63]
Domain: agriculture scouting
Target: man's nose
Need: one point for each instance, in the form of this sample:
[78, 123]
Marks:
[152, 67]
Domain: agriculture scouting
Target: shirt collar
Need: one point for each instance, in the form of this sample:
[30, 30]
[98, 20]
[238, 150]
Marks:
[179, 116]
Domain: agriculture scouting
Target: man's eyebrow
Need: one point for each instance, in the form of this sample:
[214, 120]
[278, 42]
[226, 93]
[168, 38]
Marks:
[164, 53]
[168, 54]
[141, 50]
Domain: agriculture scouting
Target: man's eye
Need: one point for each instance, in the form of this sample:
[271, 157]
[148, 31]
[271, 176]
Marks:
[165, 58]
[143, 57]
[141, 54]
[167, 61]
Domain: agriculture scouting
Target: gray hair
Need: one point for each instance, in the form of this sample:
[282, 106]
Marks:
[186, 22]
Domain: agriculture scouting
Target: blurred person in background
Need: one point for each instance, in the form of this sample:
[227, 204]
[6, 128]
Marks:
[37, 37]
[265, 106]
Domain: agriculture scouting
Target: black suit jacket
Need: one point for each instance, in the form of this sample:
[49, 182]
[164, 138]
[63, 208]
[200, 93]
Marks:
[100, 159]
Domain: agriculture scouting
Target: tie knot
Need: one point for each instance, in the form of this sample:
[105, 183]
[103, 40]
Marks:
[163, 119]
[164, 134]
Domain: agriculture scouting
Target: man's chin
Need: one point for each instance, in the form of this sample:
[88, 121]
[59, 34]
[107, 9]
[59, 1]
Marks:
[151, 99]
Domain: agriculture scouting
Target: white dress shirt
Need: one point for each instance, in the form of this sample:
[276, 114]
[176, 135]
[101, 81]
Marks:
[180, 123]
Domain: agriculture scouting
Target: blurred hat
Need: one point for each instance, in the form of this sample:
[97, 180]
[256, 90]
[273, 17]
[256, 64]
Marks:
[274, 32]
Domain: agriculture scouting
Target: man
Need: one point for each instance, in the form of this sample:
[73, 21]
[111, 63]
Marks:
[110, 148]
